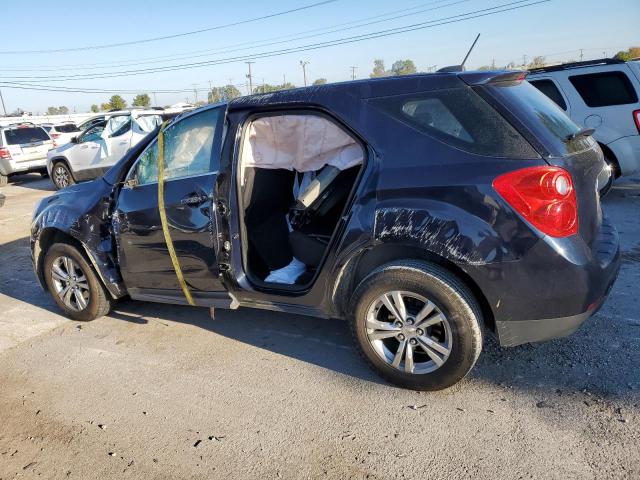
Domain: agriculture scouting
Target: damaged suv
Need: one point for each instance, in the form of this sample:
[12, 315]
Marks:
[426, 209]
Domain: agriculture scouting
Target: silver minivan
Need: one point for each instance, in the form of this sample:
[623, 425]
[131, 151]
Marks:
[23, 148]
[603, 95]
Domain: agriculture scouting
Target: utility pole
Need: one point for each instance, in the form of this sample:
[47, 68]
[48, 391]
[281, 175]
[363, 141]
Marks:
[353, 72]
[249, 76]
[195, 92]
[155, 101]
[284, 79]
[524, 62]
[303, 64]
[493, 64]
[4, 109]
[581, 54]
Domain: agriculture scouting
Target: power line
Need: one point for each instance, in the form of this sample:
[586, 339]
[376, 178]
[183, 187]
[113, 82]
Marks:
[230, 48]
[166, 37]
[341, 41]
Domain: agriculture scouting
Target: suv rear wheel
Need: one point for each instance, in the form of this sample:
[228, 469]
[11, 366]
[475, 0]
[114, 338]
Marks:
[73, 284]
[61, 175]
[417, 325]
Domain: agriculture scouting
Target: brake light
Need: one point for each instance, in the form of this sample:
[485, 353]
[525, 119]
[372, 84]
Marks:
[636, 117]
[5, 153]
[55, 135]
[544, 196]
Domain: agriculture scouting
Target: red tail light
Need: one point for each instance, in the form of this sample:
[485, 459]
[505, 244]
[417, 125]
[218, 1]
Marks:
[5, 153]
[544, 196]
[636, 117]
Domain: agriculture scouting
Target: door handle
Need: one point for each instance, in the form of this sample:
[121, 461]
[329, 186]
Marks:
[82, 147]
[95, 148]
[124, 143]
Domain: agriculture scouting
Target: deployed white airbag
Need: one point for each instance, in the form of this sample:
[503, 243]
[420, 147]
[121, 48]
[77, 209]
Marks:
[304, 143]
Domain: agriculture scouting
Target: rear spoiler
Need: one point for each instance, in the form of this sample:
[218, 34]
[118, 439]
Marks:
[485, 78]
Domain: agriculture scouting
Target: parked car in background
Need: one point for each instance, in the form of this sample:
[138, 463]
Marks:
[425, 209]
[23, 148]
[63, 133]
[603, 95]
[100, 146]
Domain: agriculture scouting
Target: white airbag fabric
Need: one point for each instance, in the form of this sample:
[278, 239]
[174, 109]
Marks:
[304, 143]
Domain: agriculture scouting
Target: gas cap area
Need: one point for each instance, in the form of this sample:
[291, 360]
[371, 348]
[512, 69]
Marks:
[593, 121]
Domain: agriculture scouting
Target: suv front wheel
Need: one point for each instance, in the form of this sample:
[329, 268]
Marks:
[61, 175]
[417, 325]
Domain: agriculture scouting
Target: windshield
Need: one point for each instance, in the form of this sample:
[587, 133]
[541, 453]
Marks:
[548, 122]
[20, 135]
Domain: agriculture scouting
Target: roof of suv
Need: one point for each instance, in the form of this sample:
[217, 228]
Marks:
[572, 65]
[373, 87]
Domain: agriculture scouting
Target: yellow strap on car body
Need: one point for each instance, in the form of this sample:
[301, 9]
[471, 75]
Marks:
[163, 220]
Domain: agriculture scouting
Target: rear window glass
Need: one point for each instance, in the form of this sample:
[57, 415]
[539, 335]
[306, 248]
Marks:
[67, 128]
[550, 90]
[548, 123]
[18, 136]
[604, 89]
[460, 118]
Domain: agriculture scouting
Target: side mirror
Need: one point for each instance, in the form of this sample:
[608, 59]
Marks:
[132, 182]
[74, 140]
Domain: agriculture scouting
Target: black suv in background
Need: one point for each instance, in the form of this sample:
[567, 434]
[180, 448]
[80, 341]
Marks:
[425, 209]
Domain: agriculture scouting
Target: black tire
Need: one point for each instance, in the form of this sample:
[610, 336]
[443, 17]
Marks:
[448, 294]
[4, 179]
[59, 169]
[99, 303]
[613, 168]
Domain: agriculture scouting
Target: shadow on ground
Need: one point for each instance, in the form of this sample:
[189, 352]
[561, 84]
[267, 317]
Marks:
[34, 181]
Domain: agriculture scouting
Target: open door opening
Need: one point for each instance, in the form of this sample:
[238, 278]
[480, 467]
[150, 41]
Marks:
[296, 174]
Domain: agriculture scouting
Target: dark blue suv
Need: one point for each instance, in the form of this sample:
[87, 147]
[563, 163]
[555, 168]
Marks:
[426, 209]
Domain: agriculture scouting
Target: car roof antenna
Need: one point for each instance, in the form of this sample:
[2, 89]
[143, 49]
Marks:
[460, 68]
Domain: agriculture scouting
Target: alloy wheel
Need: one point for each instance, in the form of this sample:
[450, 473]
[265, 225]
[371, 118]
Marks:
[61, 176]
[409, 332]
[70, 283]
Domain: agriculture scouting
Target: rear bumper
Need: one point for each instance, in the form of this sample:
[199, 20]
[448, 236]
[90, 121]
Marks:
[518, 332]
[553, 289]
[8, 167]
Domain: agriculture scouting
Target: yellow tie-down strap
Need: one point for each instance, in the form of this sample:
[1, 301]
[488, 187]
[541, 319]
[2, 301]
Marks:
[163, 219]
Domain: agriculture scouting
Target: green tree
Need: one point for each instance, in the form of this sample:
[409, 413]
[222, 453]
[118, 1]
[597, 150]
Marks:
[403, 67]
[63, 110]
[95, 108]
[267, 88]
[378, 69]
[626, 55]
[320, 81]
[537, 62]
[223, 94]
[141, 100]
[52, 111]
[116, 102]
[105, 107]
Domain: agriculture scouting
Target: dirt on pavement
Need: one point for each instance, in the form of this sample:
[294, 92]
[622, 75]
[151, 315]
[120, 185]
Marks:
[158, 392]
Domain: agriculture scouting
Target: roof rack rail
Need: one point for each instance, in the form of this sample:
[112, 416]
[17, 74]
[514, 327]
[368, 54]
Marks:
[586, 63]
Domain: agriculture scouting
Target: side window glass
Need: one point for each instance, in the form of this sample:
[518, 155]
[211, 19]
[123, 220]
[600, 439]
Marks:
[118, 126]
[148, 123]
[188, 149]
[93, 134]
[432, 113]
[550, 90]
[604, 89]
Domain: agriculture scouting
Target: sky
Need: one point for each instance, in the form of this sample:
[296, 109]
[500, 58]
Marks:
[32, 31]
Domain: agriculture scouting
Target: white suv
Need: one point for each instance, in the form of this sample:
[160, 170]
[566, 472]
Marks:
[23, 148]
[99, 147]
[604, 95]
